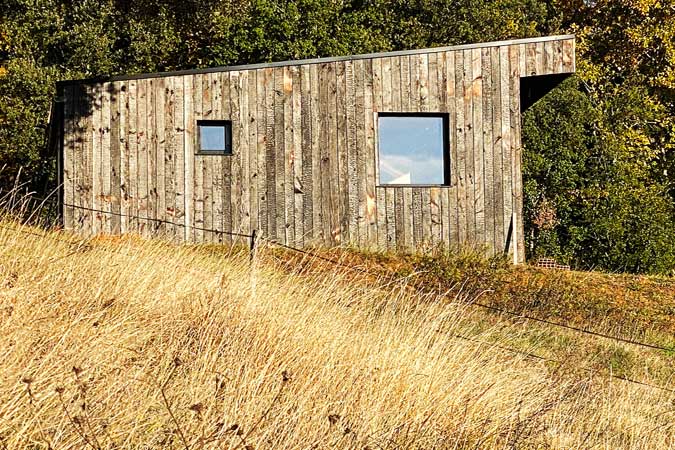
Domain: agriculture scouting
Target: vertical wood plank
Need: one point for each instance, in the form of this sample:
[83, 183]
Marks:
[418, 219]
[279, 157]
[306, 107]
[270, 150]
[244, 155]
[415, 84]
[460, 140]
[297, 158]
[385, 218]
[119, 161]
[423, 77]
[69, 172]
[435, 216]
[408, 222]
[497, 143]
[432, 82]
[452, 213]
[360, 150]
[342, 188]
[427, 237]
[289, 197]
[253, 150]
[333, 160]
[478, 156]
[179, 158]
[324, 131]
[516, 149]
[207, 163]
[152, 226]
[352, 181]
[261, 86]
[568, 55]
[405, 82]
[317, 155]
[95, 176]
[470, 176]
[160, 148]
[506, 136]
[390, 217]
[84, 154]
[170, 158]
[549, 57]
[396, 104]
[531, 59]
[370, 149]
[378, 218]
[189, 155]
[399, 218]
[226, 163]
[522, 60]
[198, 192]
[557, 56]
[132, 146]
[143, 150]
[106, 157]
[236, 169]
[540, 58]
[215, 164]
[488, 154]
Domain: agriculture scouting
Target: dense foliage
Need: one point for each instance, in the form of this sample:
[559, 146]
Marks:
[599, 151]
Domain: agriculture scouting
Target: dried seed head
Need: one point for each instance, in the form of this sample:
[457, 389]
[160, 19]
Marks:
[27, 380]
[77, 370]
[285, 376]
[177, 362]
[333, 419]
[234, 427]
[59, 389]
[197, 407]
[77, 420]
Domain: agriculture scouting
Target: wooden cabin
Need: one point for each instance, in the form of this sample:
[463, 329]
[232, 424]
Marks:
[404, 150]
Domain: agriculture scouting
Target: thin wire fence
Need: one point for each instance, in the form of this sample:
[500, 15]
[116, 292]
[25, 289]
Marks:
[254, 242]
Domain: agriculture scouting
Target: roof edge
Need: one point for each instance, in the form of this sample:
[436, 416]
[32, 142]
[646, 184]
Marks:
[299, 62]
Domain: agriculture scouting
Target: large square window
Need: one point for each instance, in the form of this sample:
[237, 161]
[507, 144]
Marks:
[413, 148]
[215, 137]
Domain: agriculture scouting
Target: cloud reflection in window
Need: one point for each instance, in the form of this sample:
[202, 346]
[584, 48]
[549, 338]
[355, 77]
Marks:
[411, 149]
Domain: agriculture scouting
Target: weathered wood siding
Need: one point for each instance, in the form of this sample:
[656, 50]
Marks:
[304, 168]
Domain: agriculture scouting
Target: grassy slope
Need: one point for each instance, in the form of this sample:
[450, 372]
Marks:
[273, 357]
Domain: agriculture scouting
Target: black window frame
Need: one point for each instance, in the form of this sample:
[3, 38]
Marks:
[227, 129]
[445, 117]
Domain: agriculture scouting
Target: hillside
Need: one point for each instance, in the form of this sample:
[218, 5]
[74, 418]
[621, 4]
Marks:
[125, 343]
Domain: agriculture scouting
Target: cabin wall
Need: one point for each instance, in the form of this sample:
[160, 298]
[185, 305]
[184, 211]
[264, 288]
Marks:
[304, 166]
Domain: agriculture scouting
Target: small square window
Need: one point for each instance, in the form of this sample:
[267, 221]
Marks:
[215, 137]
[413, 148]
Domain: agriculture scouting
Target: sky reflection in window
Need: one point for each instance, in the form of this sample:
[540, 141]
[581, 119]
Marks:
[214, 137]
[411, 150]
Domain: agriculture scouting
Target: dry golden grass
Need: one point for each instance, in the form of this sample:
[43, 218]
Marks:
[143, 344]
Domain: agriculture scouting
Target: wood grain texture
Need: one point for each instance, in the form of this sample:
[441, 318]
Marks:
[304, 169]
[94, 174]
[463, 185]
[160, 161]
[297, 160]
[342, 186]
[226, 162]
[215, 164]
[488, 150]
[306, 151]
[169, 213]
[478, 156]
[506, 138]
[497, 151]
[288, 167]
[253, 150]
